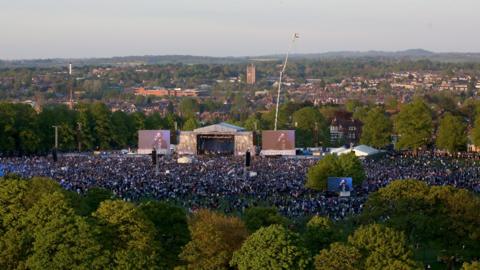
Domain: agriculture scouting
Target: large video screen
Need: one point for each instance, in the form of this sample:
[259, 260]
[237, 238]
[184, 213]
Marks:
[340, 184]
[150, 139]
[278, 140]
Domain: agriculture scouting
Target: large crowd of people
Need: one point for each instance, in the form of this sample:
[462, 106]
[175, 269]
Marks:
[222, 182]
[462, 171]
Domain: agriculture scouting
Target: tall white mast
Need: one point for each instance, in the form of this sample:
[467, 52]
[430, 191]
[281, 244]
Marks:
[294, 37]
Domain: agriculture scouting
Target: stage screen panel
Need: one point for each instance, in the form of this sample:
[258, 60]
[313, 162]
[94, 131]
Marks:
[340, 184]
[278, 140]
[150, 139]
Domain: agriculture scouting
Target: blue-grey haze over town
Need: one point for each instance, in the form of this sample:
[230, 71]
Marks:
[76, 29]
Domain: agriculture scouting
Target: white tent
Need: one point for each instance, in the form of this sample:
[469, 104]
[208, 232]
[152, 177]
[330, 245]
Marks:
[340, 150]
[360, 151]
[365, 151]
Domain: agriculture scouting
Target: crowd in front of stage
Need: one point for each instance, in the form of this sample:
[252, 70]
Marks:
[221, 182]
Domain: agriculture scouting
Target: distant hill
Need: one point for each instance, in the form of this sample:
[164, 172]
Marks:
[414, 54]
[122, 61]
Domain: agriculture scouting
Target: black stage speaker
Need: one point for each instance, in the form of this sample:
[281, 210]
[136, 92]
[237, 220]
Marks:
[248, 159]
[54, 154]
[154, 157]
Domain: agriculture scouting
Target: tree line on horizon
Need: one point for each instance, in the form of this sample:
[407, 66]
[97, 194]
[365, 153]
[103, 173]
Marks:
[421, 124]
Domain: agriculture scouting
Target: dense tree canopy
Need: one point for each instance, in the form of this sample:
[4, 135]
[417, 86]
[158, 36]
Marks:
[87, 127]
[414, 125]
[257, 217]
[171, 230]
[369, 247]
[377, 129]
[452, 134]
[475, 133]
[346, 165]
[94, 126]
[214, 239]
[127, 234]
[441, 216]
[62, 239]
[18, 129]
[310, 127]
[189, 107]
[273, 247]
[338, 256]
[190, 124]
[383, 248]
[318, 174]
[43, 226]
[319, 233]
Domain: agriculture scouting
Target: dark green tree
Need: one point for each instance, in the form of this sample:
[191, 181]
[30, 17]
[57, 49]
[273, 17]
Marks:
[440, 218]
[61, 116]
[346, 165]
[338, 256]
[122, 129]
[383, 248]
[414, 125]
[154, 121]
[102, 125]
[318, 174]
[352, 167]
[171, 230]
[127, 235]
[284, 117]
[319, 233]
[188, 107]
[310, 127]
[61, 239]
[377, 129]
[475, 132]
[451, 134]
[214, 239]
[190, 124]
[257, 217]
[90, 201]
[273, 247]
[18, 129]
[87, 123]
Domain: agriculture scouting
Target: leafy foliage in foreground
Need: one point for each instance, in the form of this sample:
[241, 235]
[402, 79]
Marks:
[43, 226]
[214, 239]
[439, 217]
[347, 165]
[272, 247]
[39, 229]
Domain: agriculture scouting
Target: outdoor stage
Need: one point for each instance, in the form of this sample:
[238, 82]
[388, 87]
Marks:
[218, 139]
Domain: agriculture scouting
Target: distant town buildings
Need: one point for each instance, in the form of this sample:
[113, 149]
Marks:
[163, 92]
[251, 74]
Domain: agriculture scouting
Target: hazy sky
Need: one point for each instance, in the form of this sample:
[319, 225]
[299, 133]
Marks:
[102, 28]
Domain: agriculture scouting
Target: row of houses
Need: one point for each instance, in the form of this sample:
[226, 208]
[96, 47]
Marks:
[164, 92]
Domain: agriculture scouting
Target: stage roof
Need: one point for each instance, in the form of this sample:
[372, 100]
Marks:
[221, 127]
